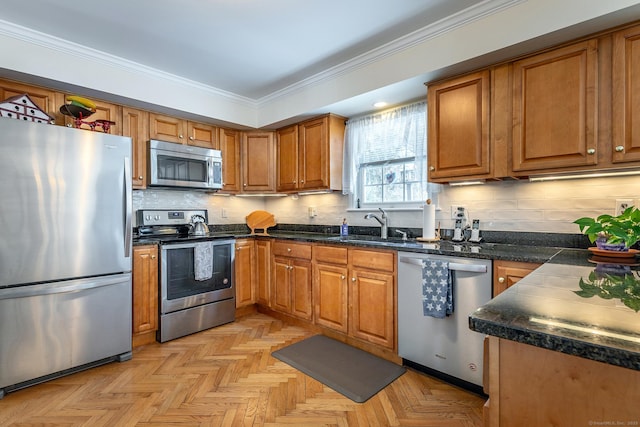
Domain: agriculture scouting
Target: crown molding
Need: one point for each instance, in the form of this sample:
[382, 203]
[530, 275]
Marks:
[67, 47]
[431, 31]
[436, 29]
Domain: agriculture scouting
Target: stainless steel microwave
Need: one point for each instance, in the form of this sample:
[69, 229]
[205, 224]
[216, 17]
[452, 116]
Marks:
[184, 166]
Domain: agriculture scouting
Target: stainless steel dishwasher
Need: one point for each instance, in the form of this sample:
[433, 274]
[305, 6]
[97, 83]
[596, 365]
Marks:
[446, 347]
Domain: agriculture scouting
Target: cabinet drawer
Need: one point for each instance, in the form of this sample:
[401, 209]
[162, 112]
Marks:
[290, 249]
[330, 254]
[383, 261]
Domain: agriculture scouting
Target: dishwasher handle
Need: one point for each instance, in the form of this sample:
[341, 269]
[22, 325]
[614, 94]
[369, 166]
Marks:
[455, 266]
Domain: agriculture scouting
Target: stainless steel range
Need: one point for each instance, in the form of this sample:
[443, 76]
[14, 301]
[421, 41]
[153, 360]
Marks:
[197, 289]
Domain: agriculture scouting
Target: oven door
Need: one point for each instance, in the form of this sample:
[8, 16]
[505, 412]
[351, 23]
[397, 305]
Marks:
[178, 287]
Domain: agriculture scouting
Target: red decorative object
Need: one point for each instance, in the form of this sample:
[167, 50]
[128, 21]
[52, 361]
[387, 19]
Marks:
[79, 114]
[22, 107]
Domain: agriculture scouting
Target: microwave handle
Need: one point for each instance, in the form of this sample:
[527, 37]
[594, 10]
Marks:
[210, 174]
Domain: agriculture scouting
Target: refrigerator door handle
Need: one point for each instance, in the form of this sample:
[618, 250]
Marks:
[127, 207]
[62, 287]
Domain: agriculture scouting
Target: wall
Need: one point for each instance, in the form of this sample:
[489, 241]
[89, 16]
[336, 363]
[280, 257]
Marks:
[500, 206]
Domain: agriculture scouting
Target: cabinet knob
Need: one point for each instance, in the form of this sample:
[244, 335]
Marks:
[244, 185]
[591, 151]
[191, 138]
[140, 177]
[288, 249]
[500, 279]
[153, 257]
[180, 136]
[619, 148]
[432, 168]
[342, 277]
[302, 181]
[294, 181]
[353, 279]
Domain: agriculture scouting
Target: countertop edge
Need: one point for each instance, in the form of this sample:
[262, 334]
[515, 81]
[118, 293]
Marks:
[586, 350]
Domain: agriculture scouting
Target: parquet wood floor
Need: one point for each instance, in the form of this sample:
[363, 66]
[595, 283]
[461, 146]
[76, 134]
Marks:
[226, 377]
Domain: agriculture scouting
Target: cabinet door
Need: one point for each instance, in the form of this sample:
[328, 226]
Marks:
[330, 293]
[167, 128]
[47, 100]
[281, 285]
[507, 273]
[287, 159]
[459, 128]
[258, 162]
[301, 288]
[555, 109]
[626, 95]
[263, 272]
[230, 148]
[314, 154]
[371, 300]
[145, 291]
[244, 262]
[202, 135]
[135, 125]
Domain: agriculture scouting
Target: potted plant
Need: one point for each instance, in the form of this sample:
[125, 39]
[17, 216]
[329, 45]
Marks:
[612, 233]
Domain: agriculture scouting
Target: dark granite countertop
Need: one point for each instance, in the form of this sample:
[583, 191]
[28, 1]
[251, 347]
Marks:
[557, 307]
[542, 309]
[510, 252]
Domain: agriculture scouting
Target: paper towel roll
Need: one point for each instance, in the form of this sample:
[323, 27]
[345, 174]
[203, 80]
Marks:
[429, 221]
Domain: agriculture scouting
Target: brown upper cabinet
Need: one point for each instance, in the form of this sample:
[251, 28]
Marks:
[458, 128]
[566, 109]
[626, 96]
[230, 148]
[179, 131]
[258, 162]
[135, 125]
[309, 155]
[555, 120]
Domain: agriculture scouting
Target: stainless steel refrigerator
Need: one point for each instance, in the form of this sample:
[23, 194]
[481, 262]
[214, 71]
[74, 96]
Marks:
[65, 251]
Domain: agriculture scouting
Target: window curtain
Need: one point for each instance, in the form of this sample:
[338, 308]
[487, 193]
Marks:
[399, 132]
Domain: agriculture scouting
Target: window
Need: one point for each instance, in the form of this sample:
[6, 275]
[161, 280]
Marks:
[385, 158]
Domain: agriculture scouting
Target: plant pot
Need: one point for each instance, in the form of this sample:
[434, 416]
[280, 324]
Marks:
[615, 247]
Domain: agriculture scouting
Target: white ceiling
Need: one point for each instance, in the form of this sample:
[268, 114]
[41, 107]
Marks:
[255, 50]
[251, 48]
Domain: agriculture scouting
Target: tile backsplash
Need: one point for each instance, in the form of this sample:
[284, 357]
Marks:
[500, 206]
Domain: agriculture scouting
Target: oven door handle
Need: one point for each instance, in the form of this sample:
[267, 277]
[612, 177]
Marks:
[454, 266]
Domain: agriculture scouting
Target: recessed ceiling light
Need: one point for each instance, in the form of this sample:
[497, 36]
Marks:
[380, 104]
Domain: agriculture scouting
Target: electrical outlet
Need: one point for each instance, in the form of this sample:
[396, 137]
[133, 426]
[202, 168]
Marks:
[458, 212]
[223, 213]
[312, 211]
[622, 205]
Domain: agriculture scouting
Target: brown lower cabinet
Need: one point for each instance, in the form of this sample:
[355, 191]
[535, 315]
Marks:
[291, 287]
[533, 386]
[508, 273]
[145, 294]
[354, 292]
[244, 272]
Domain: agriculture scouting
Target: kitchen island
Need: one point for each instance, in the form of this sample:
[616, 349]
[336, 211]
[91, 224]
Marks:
[564, 345]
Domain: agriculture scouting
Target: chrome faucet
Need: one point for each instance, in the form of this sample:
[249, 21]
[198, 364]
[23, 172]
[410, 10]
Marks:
[383, 220]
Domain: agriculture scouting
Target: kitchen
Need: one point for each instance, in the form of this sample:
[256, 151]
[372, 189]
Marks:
[540, 207]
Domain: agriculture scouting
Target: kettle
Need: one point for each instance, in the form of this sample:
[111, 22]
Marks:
[198, 226]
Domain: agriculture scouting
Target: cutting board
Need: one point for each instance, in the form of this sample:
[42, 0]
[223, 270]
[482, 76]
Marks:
[260, 220]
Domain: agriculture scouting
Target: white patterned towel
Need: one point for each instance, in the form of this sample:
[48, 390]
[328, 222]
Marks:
[203, 261]
[437, 292]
